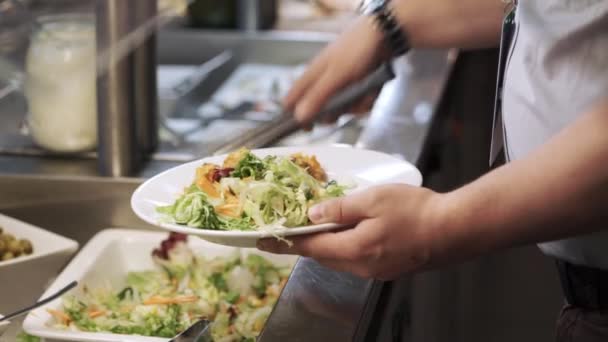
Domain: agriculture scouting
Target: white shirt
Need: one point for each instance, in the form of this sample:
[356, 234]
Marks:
[558, 69]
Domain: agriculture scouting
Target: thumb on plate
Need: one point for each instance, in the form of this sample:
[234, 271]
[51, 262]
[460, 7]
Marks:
[342, 210]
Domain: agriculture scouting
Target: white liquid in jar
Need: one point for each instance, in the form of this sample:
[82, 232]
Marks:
[60, 85]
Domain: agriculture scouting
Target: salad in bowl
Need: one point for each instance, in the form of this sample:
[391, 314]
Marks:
[236, 292]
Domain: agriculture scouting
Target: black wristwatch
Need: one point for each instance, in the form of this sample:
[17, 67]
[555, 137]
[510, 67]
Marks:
[383, 15]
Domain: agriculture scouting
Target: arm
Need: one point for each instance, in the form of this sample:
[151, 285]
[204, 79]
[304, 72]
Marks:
[447, 24]
[428, 24]
[559, 190]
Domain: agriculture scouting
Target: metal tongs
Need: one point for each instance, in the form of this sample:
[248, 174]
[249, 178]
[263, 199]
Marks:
[197, 332]
[41, 302]
[266, 134]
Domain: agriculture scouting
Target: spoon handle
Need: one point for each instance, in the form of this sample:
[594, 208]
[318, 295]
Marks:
[40, 303]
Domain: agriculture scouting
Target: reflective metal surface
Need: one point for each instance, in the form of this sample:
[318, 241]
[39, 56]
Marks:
[319, 304]
[76, 207]
[256, 14]
[144, 75]
[118, 155]
[272, 47]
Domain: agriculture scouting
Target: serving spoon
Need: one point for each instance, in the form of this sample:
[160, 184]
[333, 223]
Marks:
[23, 311]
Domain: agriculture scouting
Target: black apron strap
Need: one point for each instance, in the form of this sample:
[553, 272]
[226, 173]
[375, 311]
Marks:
[498, 139]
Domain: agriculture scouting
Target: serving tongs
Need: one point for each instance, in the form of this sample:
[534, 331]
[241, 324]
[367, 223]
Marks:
[40, 303]
[286, 124]
[197, 332]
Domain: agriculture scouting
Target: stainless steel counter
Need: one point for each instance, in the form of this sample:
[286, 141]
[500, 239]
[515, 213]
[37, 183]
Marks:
[317, 303]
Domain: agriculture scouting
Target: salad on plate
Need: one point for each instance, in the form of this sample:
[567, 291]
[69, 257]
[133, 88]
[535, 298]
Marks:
[252, 193]
[237, 293]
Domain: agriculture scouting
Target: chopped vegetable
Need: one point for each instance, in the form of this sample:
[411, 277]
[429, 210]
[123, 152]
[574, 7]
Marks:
[251, 193]
[236, 293]
[11, 247]
[23, 337]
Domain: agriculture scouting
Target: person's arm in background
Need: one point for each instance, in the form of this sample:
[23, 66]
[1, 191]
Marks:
[559, 190]
[427, 23]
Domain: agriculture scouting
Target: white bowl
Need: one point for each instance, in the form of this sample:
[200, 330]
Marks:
[3, 326]
[107, 258]
[23, 279]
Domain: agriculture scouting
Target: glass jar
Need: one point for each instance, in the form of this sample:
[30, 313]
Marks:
[60, 83]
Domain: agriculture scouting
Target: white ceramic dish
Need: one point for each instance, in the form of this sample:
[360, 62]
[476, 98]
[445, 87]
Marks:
[3, 326]
[23, 279]
[108, 257]
[342, 163]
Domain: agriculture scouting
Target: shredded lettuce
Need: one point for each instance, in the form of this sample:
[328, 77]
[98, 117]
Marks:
[273, 192]
[249, 166]
[237, 293]
[333, 189]
[23, 337]
[193, 209]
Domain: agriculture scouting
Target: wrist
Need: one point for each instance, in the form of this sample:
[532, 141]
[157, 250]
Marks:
[385, 20]
[453, 234]
[382, 50]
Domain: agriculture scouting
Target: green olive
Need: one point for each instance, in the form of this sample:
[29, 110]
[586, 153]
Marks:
[26, 246]
[3, 247]
[14, 247]
[9, 237]
[7, 256]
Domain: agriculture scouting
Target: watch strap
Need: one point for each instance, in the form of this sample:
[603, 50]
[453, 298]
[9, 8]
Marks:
[384, 16]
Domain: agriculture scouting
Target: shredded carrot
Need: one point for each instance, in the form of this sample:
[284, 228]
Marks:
[96, 313]
[230, 198]
[204, 182]
[208, 187]
[228, 209]
[60, 316]
[164, 300]
[233, 159]
[206, 171]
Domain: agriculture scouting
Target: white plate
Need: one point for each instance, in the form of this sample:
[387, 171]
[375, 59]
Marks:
[342, 163]
[107, 258]
[23, 279]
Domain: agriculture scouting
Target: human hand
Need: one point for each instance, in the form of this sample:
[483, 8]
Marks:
[396, 230]
[350, 58]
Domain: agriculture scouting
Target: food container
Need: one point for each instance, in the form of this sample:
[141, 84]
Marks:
[23, 279]
[106, 259]
[60, 83]
[3, 326]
